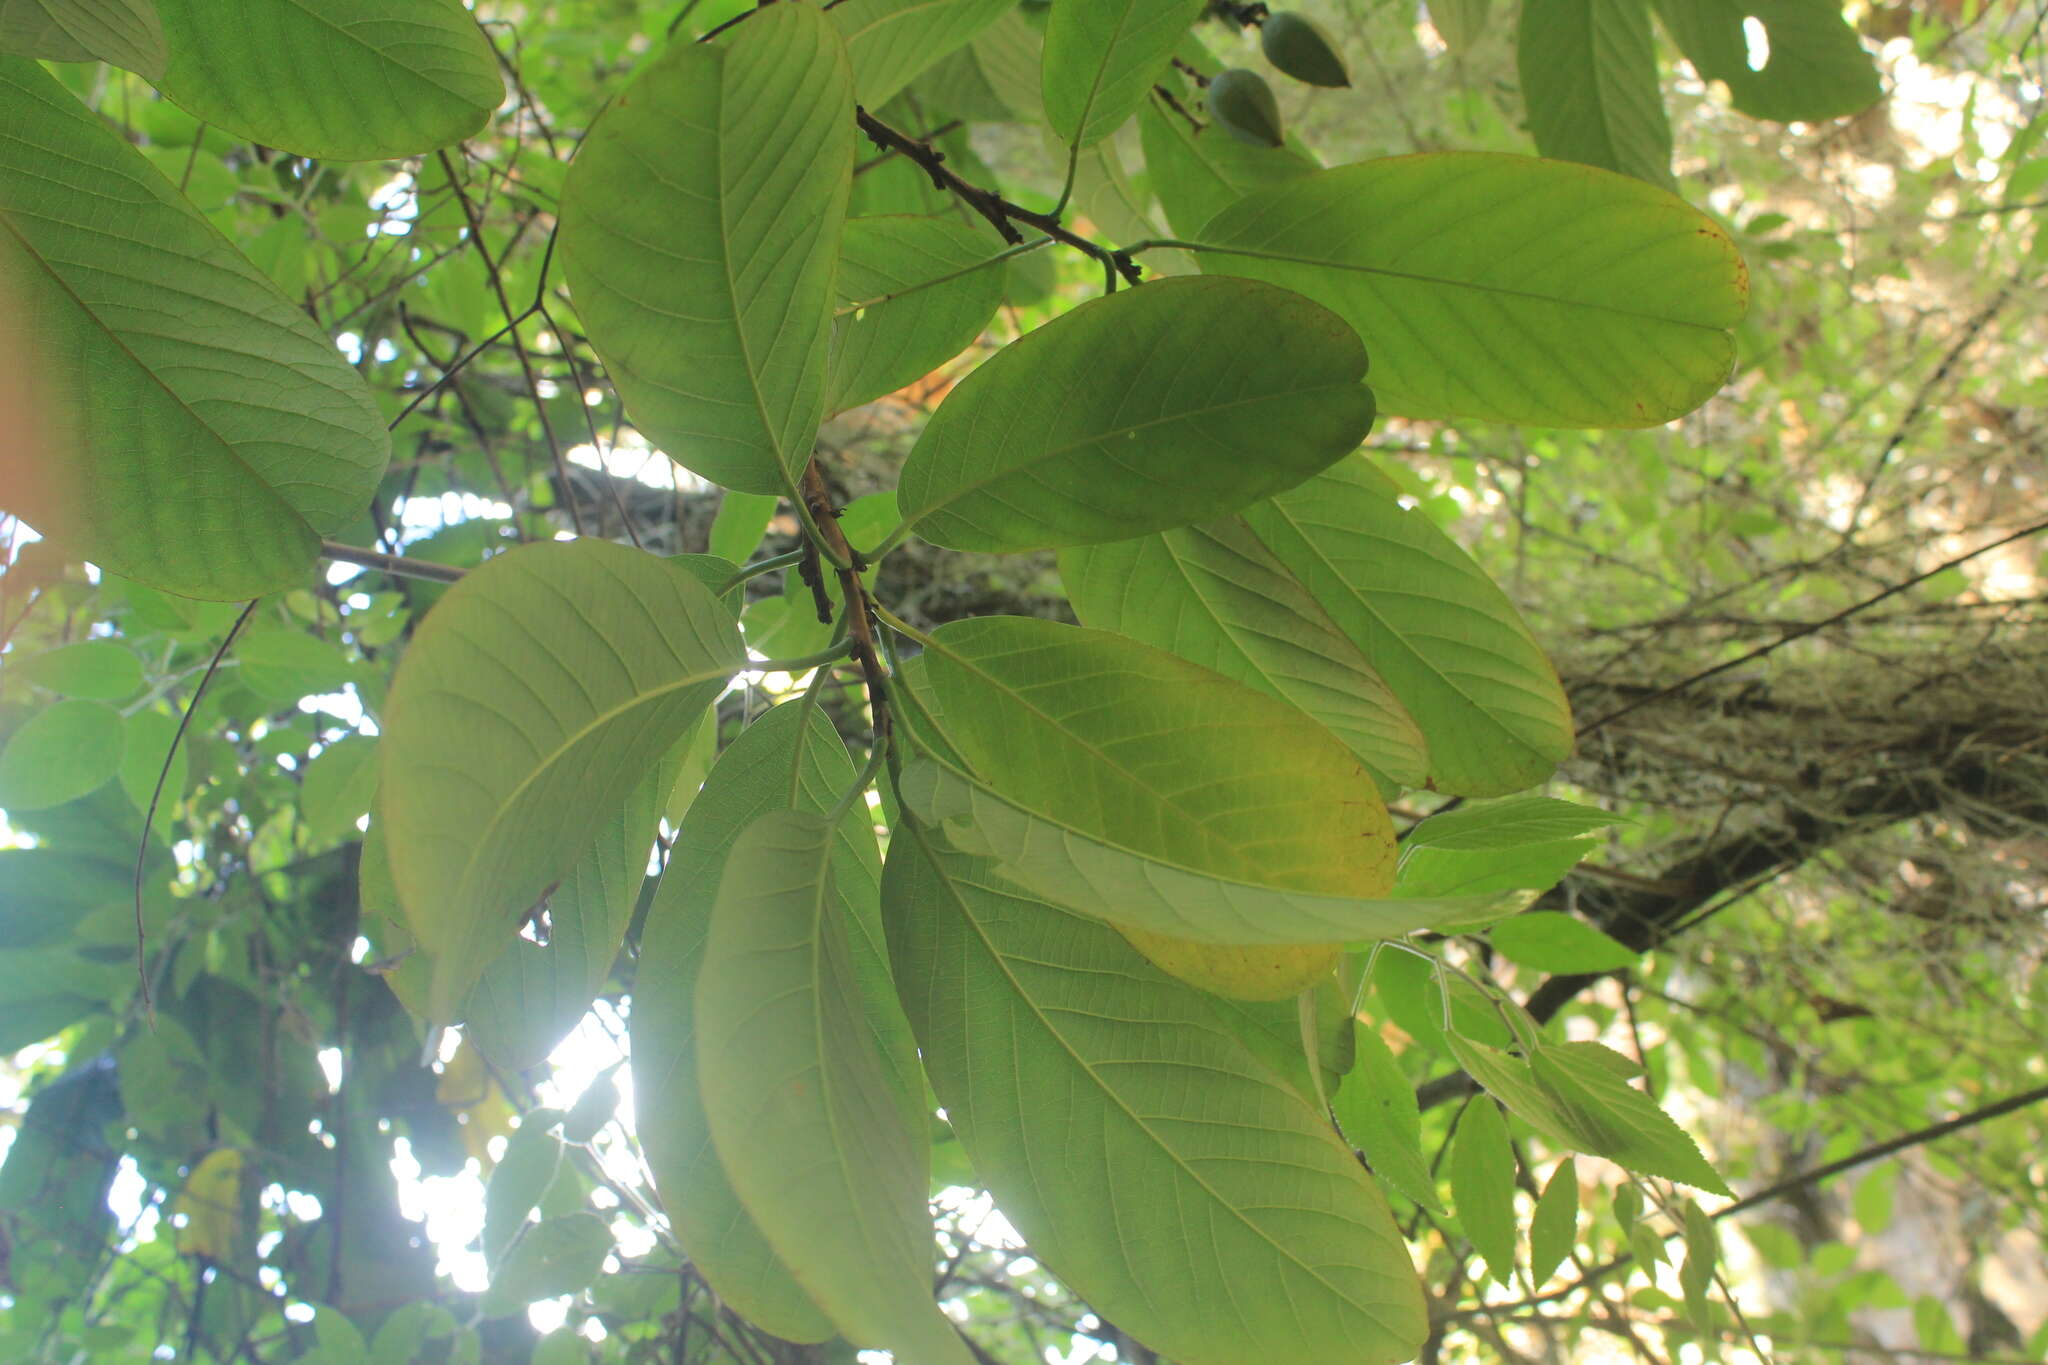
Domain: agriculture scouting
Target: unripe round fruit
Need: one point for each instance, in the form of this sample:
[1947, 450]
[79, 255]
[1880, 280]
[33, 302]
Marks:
[1243, 105]
[1296, 46]
[1262, 971]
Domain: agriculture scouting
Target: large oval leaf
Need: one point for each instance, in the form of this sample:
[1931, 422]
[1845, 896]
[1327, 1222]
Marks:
[348, 80]
[1817, 68]
[1154, 1163]
[1174, 402]
[790, 754]
[532, 700]
[1505, 287]
[892, 41]
[123, 32]
[202, 434]
[1101, 58]
[1447, 641]
[700, 225]
[913, 293]
[1589, 79]
[800, 1099]
[1215, 595]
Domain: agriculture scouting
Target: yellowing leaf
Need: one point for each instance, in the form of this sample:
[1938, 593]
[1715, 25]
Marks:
[211, 1206]
[1260, 971]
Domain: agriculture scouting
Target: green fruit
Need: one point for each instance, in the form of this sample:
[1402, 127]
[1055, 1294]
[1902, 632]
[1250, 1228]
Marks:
[1296, 46]
[1243, 105]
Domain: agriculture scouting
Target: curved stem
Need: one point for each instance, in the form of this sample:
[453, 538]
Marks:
[761, 566]
[803, 663]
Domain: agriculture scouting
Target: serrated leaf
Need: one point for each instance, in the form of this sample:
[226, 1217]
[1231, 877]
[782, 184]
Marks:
[1175, 402]
[1448, 642]
[126, 33]
[1376, 1110]
[1589, 79]
[532, 700]
[913, 293]
[891, 42]
[60, 753]
[1551, 941]
[1215, 595]
[1702, 1255]
[1197, 172]
[786, 756]
[295, 74]
[1101, 58]
[1510, 1080]
[200, 433]
[799, 1097]
[1483, 1186]
[1504, 288]
[1608, 1117]
[1817, 68]
[1555, 1228]
[1513, 822]
[1219, 1222]
[700, 226]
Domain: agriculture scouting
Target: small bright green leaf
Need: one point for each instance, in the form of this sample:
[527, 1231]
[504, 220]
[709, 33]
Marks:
[1101, 58]
[1872, 1202]
[1589, 79]
[1702, 1255]
[559, 1256]
[1097, 1145]
[1460, 23]
[336, 1340]
[345, 80]
[1170, 403]
[791, 755]
[281, 664]
[1556, 1225]
[1817, 67]
[700, 226]
[1515, 875]
[1446, 640]
[1510, 1080]
[98, 670]
[799, 1097]
[1608, 1117]
[1502, 287]
[1197, 172]
[741, 522]
[150, 734]
[890, 42]
[1483, 1186]
[1551, 941]
[1215, 595]
[913, 293]
[518, 1181]
[126, 33]
[1513, 822]
[59, 754]
[532, 700]
[1376, 1111]
[202, 433]
[337, 788]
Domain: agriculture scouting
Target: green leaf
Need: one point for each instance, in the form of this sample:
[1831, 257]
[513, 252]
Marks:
[532, 700]
[1554, 942]
[203, 434]
[790, 758]
[891, 42]
[1483, 1186]
[913, 293]
[592, 1111]
[150, 734]
[1171, 403]
[1817, 68]
[1513, 822]
[741, 522]
[521, 1177]
[1197, 171]
[1215, 595]
[700, 226]
[1101, 58]
[59, 754]
[337, 787]
[1555, 1228]
[1432, 624]
[298, 75]
[1515, 875]
[126, 33]
[1702, 1254]
[1608, 1117]
[1376, 1110]
[98, 670]
[1460, 23]
[1183, 1189]
[1510, 1080]
[336, 1340]
[559, 1256]
[1589, 79]
[799, 1097]
[1503, 287]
